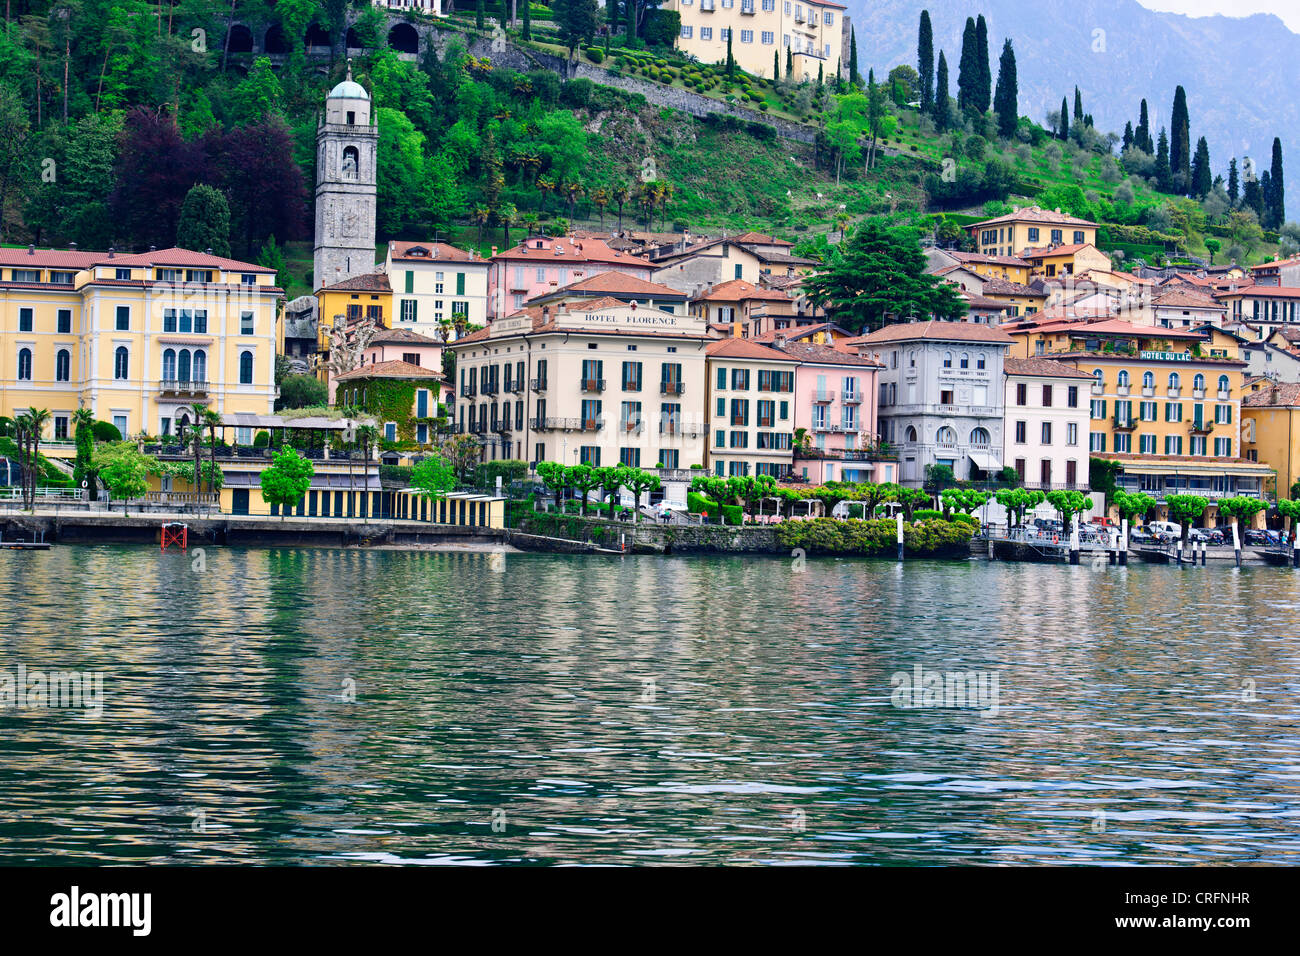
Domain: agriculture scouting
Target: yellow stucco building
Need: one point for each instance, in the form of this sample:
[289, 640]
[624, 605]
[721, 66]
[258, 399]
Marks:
[762, 31]
[1270, 430]
[1031, 228]
[137, 339]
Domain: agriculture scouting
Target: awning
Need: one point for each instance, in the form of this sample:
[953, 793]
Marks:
[986, 461]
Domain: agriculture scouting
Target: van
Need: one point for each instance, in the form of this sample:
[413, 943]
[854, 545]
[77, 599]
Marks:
[1165, 527]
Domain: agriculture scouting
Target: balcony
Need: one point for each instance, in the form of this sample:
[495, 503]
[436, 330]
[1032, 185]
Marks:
[490, 388]
[798, 15]
[677, 428]
[592, 424]
[515, 387]
[538, 424]
[175, 386]
[1222, 394]
[1173, 391]
[1198, 394]
[504, 427]
[851, 398]
[1121, 390]
[537, 384]
[632, 428]
[1200, 427]
[822, 398]
[1148, 391]
[670, 388]
[821, 426]
[747, 9]
[467, 391]
[1124, 423]
[1098, 389]
[593, 384]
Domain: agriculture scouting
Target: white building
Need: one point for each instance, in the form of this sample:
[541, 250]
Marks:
[436, 287]
[1046, 430]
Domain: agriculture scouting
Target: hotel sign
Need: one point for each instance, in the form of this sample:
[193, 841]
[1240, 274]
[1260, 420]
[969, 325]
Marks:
[1166, 356]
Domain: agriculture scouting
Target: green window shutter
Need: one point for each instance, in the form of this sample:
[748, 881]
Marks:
[1229, 415]
[410, 281]
[460, 283]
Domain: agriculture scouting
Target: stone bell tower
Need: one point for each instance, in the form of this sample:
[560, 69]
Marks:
[346, 144]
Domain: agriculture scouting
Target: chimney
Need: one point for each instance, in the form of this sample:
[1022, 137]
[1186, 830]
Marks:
[112, 251]
[153, 248]
[435, 251]
[494, 252]
[780, 341]
[31, 250]
[207, 251]
[72, 246]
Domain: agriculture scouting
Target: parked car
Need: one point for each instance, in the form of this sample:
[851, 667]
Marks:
[1205, 535]
[1264, 539]
[1165, 528]
[1142, 536]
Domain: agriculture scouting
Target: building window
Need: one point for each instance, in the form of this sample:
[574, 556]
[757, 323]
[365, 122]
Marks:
[1021, 433]
[1047, 433]
[24, 320]
[706, 33]
[121, 363]
[65, 322]
[947, 360]
[62, 365]
[1072, 396]
[245, 368]
[123, 318]
[746, 36]
[946, 435]
[24, 365]
[979, 436]
[769, 37]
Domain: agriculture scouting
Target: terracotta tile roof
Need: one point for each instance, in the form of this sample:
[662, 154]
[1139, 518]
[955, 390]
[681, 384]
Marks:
[1108, 327]
[996, 285]
[738, 290]
[370, 282]
[983, 302]
[1279, 393]
[1033, 214]
[1191, 300]
[1275, 264]
[618, 283]
[571, 250]
[1046, 251]
[738, 348]
[781, 258]
[77, 259]
[815, 354]
[416, 251]
[393, 369]
[760, 239]
[402, 336]
[801, 332]
[1263, 291]
[980, 257]
[942, 331]
[1041, 368]
[594, 305]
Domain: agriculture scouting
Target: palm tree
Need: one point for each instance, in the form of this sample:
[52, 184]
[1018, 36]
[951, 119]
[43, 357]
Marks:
[83, 418]
[506, 214]
[37, 419]
[480, 214]
[620, 195]
[665, 194]
[367, 435]
[213, 421]
[196, 436]
[573, 190]
[22, 429]
[544, 185]
[600, 199]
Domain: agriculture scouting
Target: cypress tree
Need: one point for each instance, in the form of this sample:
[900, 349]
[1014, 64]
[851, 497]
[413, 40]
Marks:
[1277, 212]
[1250, 194]
[527, 33]
[776, 65]
[940, 105]
[478, 14]
[1128, 136]
[1144, 131]
[855, 78]
[1265, 198]
[967, 70]
[982, 95]
[925, 61]
[819, 76]
[1164, 175]
[1004, 101]
[629, 13]
[1078, 107]
[1064, 126]
[731, 60]
[789, 64]
[1202, 180]
[1180, 146]
[1234, 185]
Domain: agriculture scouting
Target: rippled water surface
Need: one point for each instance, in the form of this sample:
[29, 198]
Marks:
[645, 710]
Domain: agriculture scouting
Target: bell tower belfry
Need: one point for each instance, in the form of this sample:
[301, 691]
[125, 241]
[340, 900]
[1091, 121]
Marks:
[347, 142]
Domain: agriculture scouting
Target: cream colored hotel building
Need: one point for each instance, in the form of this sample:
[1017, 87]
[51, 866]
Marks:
[813, 32]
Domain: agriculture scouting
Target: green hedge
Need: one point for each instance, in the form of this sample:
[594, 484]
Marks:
[922, 514]
[877, 536]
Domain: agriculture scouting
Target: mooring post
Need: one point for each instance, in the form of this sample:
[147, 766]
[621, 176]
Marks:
[1123, 542]
[1074, 540]
[1236, 543]
[1178, 550]
[899, 518]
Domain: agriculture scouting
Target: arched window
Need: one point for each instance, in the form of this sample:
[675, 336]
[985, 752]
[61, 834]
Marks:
[1173, 380]
[1199, 381]
[121, 363]
[183, 365]
[965, 360]
[24, 365]
[979, 436]
[351, 163]
[1123, 378]
[979, 360]
[947, 360]
[245, 368]
[911, 433]
[946, 436]
[62, 365]
[1148, 380]
[1097, 374]
[169, 365]
[1223, 384]
[911, 359]
[200, 373]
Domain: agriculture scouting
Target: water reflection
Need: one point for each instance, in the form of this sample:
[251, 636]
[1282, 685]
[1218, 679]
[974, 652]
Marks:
[590, 710]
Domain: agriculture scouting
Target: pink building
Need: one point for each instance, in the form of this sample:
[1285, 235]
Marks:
[835, 403]
[540, 265]
[398, 345]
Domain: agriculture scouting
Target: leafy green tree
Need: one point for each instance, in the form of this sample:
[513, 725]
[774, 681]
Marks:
[925, 62]
[554, 476]
[963, 500]
[1068, 504]
[124, 471]
[968, 72]
[1276, 211]
[879, 275]
[1185, 509]
[1133, 505]
[584, 479]
[983, 72]
[204, 221]
[83, 469]
[257, 95]
[1202, 180]
[286, 480]
[1289, 508]
[434, 477]
[576, 21]
[1241, 509]
[612, 480]
[1005, 98]
[1017, 501]
[1212, 246]
[1163, 171]
[15, 155]
[640, 482]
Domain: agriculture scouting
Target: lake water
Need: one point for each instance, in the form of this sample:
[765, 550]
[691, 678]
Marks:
[334, 707]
